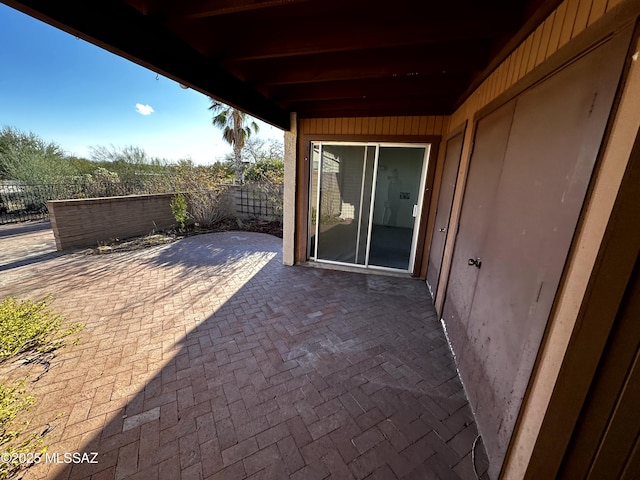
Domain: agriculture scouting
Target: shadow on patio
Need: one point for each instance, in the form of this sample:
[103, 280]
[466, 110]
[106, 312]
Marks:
[223, 363]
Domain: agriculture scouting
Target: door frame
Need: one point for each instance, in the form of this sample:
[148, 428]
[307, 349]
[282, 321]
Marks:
[459, 130]
[529, 450]
[415, 240]
[303, 174]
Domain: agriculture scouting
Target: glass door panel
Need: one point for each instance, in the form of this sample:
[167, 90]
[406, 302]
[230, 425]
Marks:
[365, 212]
[338, 214]
[363, 203]
[396, 203]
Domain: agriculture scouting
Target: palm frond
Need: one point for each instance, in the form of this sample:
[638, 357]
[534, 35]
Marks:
[228, 135]
[236, 127]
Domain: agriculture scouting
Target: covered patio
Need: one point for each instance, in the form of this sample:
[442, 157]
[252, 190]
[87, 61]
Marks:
[207, 358]
[524, 218]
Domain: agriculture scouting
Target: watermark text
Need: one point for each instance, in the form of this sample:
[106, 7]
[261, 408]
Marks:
[48, 457]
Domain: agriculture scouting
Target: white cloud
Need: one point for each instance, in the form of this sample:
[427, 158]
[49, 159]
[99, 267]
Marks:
[144, 109]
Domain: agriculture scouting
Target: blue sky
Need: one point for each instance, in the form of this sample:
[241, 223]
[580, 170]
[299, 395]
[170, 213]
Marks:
[71, 92]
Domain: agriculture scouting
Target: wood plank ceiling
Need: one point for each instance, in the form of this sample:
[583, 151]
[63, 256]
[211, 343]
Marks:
[319, 58]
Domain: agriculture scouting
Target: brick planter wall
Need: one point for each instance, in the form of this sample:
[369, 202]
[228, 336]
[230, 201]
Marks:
[85, 222]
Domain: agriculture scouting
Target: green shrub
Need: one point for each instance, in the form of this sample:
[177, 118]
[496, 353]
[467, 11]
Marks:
[267, 170]
[29, 158]
[179, 209]
[30, 328]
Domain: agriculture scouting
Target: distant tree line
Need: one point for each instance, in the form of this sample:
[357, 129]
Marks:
[27, 158]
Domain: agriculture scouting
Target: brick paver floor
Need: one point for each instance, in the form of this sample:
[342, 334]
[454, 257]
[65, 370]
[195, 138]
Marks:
[207, 358]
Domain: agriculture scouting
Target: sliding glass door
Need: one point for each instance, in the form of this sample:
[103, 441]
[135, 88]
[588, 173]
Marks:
[396, 206]
[364, 203]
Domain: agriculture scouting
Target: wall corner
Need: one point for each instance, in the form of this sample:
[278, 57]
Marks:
[289, 205]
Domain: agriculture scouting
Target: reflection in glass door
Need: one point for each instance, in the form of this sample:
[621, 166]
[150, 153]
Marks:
[364, 203]
[339, 173]
[397, 199]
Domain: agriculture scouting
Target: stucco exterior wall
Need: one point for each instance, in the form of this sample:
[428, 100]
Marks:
[289, 201]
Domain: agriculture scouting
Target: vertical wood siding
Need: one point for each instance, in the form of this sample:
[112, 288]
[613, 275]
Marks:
[570, 19]
[414, 125]
[566, 22]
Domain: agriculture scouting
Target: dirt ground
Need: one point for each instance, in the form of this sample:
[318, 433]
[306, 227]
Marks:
[136, 243]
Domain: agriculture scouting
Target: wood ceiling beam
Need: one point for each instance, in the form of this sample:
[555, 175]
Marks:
[254, 11]
[346, 34]
[398, 87]
[345, 41]
[213, 8]
[289, 48]
[437, 105]
[123, 30]
[458, 58]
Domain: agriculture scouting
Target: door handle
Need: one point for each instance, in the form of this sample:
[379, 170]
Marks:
[474, 262]
[415, 211]
[442, 230]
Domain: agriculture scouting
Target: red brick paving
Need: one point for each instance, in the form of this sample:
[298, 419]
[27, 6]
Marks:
[207, 358]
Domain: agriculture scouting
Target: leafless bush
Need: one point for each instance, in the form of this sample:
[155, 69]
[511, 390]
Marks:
[208, 206]
[208, 202]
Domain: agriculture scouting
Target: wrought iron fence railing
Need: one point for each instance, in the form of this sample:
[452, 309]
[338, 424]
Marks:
[20, 202]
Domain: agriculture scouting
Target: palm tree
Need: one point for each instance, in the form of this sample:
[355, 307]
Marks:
[236, 127]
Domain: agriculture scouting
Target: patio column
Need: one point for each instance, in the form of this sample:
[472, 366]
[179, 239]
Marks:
[288, 217]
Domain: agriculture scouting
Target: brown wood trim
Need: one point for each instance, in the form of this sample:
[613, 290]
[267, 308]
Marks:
[302, 197]
[614, 263]
[468, 139]
[422, 247]
[608, 386]
[435, 193]
[456, 131]
[616, 22]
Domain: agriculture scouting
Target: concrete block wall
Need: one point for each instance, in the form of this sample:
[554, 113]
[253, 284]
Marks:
[85, 222]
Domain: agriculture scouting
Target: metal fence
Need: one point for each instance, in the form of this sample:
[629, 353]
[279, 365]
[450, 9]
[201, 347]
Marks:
[20, 202]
